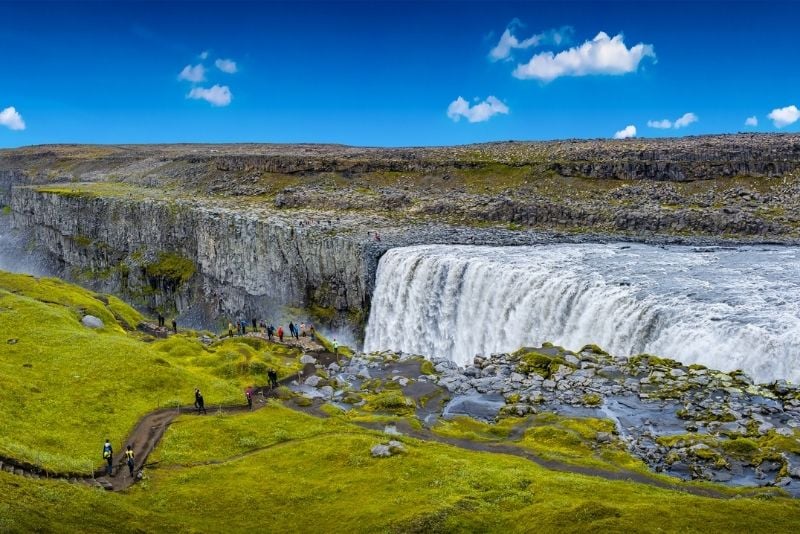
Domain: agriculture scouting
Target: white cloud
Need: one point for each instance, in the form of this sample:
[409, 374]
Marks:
[10, 118]
[601, 55]
[784, 116]
[681, 122]
[662, 124]
[194, 74]
[628, 131]
[751, 121]
[508, 41]
[226, 65]
[217, 95]
[480, 112]
[685, 120]
[204, 55]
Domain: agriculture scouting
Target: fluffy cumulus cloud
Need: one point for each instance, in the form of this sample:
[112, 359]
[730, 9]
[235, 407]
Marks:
[601, 55]
[625, 133]
[479, 112]
[685, 120]
[508, 41]
[217, 95]
[681, 122]
[226, 65]
[751, 121]
[781, 117]
[193, 73]
[10, 118]
[662, 124]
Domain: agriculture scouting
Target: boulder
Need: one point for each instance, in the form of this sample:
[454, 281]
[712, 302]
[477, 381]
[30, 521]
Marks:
[313, 381]
[307, 358]
[90, 321]
[381, 451]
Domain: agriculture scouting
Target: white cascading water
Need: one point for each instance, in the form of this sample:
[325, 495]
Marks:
[726, 308]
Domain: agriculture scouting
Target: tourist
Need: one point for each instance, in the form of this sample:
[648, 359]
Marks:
[312, 332]
[255, 325]
[129, 459]
[291, 329]
[249, 395]
[230, 329]
[270, 331]
[280, 333]
[303, 329]
[160, 319]
[175, 326]
[199, 402]
[335, 345]
[108, 456]
[273, 378]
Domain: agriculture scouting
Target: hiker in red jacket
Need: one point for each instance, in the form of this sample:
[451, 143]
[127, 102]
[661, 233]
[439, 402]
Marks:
[280, 333]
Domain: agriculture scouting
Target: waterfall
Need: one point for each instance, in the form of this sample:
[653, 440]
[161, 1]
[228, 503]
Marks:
[726, 308]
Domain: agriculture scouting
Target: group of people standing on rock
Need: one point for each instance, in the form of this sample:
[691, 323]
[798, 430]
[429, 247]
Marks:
[295, 331]
[162, 321]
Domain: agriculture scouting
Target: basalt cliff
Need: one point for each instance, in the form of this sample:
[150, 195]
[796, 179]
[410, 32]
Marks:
[233, 230]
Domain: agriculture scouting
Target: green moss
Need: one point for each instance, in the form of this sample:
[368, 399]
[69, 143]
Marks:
[592, 399]
[171, 267]
[741, 447]
[532, 361]
[82, 240]
[6, 210]
[427, 368]
[593, 349]
[392, 401]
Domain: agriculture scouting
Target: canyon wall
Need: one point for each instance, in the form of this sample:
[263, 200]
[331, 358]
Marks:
[240, 266]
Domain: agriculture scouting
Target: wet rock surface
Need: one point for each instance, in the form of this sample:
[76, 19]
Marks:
[685, 421]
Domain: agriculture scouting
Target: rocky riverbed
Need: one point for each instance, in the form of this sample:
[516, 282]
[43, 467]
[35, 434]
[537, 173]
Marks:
[686, 421]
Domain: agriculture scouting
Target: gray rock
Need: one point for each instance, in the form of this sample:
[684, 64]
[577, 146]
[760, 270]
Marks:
[307, 358]
[312, 381]
[90, 321]
[326, 391]
[381, 451]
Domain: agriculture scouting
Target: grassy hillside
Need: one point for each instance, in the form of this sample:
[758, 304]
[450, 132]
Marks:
[67, 387]
[293, 472]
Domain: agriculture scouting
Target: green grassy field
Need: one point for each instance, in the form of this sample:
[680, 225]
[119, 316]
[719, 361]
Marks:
[66, 387]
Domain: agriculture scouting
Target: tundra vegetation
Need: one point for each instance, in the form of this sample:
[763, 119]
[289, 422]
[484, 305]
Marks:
[66, 387]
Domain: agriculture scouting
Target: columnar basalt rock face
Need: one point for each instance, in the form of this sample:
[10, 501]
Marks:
[243, 263]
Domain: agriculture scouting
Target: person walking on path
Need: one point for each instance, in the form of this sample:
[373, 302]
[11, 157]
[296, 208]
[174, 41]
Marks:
[273, 378]
[280, 333]
[108, 456]
[255, 325]
[291, 329]
[174, 326]
[249, 395]
[129, 459]
[230, 329]
[160, 319]
[335, 345]
[199, 402]
[270, 332]
[312, 332]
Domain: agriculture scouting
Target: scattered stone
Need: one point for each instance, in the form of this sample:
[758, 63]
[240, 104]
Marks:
[307, 358]
[312, 381]
[90, 321]
[381, 451]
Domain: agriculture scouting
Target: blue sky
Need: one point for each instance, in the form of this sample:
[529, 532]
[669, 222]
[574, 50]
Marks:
[391, 73]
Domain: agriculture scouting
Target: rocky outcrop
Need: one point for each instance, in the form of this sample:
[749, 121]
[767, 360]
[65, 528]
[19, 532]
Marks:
[241, 263]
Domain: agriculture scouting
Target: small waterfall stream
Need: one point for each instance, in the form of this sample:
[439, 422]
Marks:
[727, 308]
